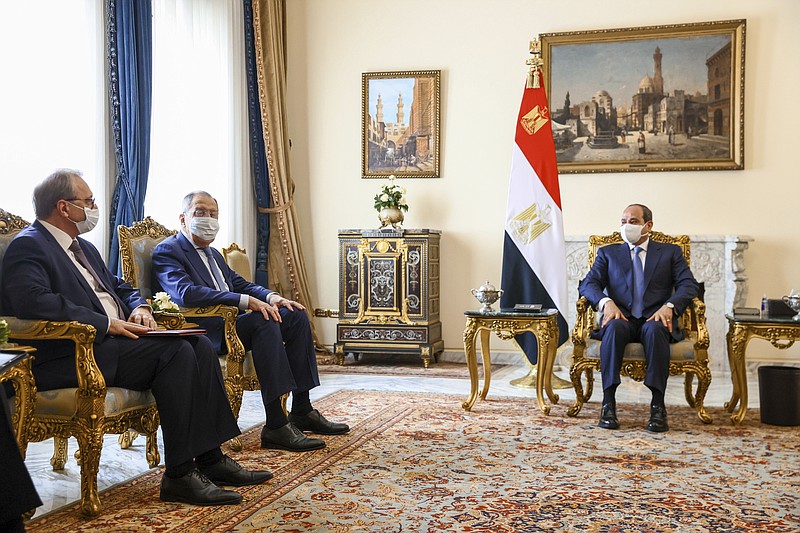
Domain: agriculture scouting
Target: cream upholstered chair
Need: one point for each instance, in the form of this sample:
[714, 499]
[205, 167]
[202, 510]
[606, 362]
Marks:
[136, 244]
[86, 412]
[237, 259]
[688, 357]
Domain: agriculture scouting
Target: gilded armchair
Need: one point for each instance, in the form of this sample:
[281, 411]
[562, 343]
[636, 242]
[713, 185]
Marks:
[136, 244]
[688, 357]
[86, 412]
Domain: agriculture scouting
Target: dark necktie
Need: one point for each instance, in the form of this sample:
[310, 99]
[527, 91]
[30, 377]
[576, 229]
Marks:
[638, 284]
[212, 264]
[76, 249]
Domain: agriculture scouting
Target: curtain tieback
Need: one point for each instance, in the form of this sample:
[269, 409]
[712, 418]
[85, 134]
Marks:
[278, 209]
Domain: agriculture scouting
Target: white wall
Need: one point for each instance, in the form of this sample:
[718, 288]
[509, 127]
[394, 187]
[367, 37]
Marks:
[481, 48]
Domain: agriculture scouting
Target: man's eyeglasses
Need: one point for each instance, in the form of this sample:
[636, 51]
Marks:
[87, 201]
[202, 213]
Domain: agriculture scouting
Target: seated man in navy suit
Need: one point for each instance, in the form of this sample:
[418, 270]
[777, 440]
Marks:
[51, 274]
[277, 330]
[640, 286]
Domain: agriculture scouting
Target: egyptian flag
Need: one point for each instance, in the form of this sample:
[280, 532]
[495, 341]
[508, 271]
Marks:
[534, 255]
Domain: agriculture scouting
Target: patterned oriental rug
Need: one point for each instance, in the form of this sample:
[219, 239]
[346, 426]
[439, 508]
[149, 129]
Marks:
[391, 367]
[418, 462]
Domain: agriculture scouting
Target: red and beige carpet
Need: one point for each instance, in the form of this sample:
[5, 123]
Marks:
[418, 462]
[403, 365]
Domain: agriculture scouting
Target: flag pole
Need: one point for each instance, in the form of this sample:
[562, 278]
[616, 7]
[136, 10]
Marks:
[528, 381]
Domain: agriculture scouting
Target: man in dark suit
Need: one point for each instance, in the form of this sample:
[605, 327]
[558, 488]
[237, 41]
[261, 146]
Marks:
[641, 287]
[49, 273]
[277, 330]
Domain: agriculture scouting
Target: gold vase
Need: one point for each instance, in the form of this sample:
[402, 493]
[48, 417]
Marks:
[390, 216]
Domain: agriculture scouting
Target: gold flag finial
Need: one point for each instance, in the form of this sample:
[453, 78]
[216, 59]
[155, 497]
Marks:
[535, 64]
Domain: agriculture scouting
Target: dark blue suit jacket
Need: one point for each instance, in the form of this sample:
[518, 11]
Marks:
[179, 271]
[667, 278]
[40, 281]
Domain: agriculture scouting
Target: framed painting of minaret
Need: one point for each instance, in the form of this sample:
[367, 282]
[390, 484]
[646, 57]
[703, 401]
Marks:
[651, 98]
[400, 124]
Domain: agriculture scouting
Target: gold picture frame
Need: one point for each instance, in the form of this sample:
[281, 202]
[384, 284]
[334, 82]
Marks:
[400, 124]
[652, 98]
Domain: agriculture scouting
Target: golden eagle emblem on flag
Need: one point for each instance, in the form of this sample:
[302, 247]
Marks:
[535, 119]
[531, 223]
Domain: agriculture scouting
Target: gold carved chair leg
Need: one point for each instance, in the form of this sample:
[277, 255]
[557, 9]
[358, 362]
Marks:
[90, 444]
[696, 400]
[589, 384]
[576, 372]
[59, 458]
[126, 438]
[688, 388]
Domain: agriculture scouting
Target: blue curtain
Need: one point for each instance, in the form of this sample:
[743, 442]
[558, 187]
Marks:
[259, 158]
[130, 57]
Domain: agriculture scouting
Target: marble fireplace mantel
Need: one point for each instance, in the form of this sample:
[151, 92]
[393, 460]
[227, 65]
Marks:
[716, 260]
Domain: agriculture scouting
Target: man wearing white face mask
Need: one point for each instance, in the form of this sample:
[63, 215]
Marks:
[50, 273]
[277, 330]
[640, 286]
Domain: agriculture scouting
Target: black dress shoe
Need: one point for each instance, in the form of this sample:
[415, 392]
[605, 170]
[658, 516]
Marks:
[316, 423]
[196, 489]
[658, 419]
[230, 473]
[608, 416]
[289, 438]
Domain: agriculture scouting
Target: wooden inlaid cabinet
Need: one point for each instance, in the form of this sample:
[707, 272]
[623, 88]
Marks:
[389, 286]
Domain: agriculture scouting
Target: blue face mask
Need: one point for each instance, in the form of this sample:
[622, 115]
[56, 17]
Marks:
[205, 228]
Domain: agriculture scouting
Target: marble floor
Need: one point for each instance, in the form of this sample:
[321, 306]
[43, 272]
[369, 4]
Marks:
[57, 489]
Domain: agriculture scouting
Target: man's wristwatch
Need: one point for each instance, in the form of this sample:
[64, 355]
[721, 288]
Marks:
[670, 305]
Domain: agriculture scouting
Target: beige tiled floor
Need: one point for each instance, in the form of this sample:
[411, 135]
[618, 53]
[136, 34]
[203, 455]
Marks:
[60, 488]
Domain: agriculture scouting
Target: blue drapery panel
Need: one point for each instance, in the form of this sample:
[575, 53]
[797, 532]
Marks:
[129, 34]
[259, 158]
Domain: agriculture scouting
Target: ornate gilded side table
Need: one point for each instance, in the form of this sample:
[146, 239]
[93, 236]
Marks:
[781, 332]
[506, 324]
[21, 378]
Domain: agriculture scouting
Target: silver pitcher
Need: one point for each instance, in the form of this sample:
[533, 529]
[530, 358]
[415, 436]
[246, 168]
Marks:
[793, 301]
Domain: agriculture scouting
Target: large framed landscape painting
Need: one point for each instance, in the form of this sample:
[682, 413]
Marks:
[400, 124]
[647, 99]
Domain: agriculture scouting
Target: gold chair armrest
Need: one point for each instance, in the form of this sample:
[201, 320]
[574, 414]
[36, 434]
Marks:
[169, 320]
[698, 310]
[91, 384]
[583, 321]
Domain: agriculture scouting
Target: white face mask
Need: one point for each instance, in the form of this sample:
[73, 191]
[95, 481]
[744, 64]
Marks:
[90, 222]
[205, 228]
[631, 233]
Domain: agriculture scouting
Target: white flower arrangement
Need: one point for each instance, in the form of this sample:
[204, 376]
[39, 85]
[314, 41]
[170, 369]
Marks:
[164, 304]
[3, 331]
[391, 195]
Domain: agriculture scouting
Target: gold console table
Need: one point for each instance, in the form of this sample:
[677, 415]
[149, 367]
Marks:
[781, 332]
[506, 324]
